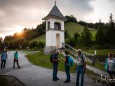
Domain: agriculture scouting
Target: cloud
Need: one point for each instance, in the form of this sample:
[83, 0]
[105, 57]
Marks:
[29, 13]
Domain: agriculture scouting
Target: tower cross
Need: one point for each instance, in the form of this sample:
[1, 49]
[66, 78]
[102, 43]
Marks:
[55, 2]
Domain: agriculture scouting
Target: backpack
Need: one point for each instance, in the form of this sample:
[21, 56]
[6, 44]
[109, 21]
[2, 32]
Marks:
[106, 65]
[70, 61]
[51, 57]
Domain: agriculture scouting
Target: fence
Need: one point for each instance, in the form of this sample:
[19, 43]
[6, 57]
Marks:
[90, 57]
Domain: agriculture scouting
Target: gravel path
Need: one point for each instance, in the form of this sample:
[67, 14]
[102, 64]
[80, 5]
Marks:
[32, 75]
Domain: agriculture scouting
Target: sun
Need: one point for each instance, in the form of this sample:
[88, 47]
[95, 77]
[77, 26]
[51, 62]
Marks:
[19, 29]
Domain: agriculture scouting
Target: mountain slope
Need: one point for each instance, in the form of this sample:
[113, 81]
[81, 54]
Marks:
[71, 29]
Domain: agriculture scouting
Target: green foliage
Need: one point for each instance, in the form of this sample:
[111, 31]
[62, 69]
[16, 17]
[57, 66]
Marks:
[19, 43]
[41, 28]
[103, 52]
[110, 32]
[100, 36]
[76, 37]
[70, 18]
[66, 34]
[73, 28]
[71, 41]
[33, 44]
[41, 44]
[36, 44]
[40, 38]
[86, 37]
[83, 23]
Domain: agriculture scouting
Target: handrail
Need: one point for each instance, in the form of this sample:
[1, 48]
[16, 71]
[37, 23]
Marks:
[70, 47]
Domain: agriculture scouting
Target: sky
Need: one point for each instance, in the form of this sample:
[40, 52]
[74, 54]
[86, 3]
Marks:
[18, 14]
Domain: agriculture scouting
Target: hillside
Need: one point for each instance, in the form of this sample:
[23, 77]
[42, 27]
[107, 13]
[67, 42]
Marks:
[71, 29]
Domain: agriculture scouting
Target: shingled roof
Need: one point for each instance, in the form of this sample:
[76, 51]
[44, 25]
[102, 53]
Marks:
[55, 12]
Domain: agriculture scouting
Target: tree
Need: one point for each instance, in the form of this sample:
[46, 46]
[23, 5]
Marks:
[67, 34]
[110, 32]
[86, 36]
[83, 23]
[76, 37]
[33, 44]
[100, 35]
[41, 44]
[71, 18]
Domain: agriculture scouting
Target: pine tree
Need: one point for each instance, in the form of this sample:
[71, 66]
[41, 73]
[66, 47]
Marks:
[86, 37]
[110, 33]
[100, 36]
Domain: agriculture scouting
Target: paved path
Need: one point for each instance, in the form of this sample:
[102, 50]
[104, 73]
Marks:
[32, 75]
[95, 70]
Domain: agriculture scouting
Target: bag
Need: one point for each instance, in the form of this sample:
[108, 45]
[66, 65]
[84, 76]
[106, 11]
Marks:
[51, 58]
[70, 61]
[106, 65]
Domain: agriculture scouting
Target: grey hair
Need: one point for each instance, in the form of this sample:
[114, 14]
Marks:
[79, 50]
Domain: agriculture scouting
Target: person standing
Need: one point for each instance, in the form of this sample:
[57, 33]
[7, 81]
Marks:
[67, 68]
[3, 59]
[55, 61]
[16, 59]
[81, 67]
[110, 65]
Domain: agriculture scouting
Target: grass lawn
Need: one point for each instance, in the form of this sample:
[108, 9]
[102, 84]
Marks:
[40, 59]
[41, 38]
[73, 27]
[97, 65]
[100, 52]
[3, 81]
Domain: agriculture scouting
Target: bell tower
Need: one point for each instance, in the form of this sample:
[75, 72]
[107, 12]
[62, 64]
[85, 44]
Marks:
[54, 29]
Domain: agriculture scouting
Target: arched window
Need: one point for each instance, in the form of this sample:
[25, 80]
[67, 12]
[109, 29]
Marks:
[48, 25]
[57, 26]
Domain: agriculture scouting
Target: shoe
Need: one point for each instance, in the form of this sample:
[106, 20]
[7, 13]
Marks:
[54, 79]
[66, 81]
[57, 78]
[18, 67]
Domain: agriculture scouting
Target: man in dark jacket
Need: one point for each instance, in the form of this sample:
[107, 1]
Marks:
[55, 61]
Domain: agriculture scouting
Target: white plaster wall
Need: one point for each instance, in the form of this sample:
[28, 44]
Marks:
[51, 38]
[48, 38]
[51, 34]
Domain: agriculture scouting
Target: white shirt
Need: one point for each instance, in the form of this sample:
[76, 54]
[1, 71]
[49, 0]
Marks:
[111, 63]
[79, 60]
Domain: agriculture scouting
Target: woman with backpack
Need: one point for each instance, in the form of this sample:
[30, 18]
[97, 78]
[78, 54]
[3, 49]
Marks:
[68, 63]
[110, 65]
[67, 68]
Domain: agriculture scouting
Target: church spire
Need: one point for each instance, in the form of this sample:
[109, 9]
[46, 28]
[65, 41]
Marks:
[55, 2]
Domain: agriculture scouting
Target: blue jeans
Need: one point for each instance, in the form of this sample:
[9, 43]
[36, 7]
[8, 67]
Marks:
[80, 74]
[67, 69]
[55, 68]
